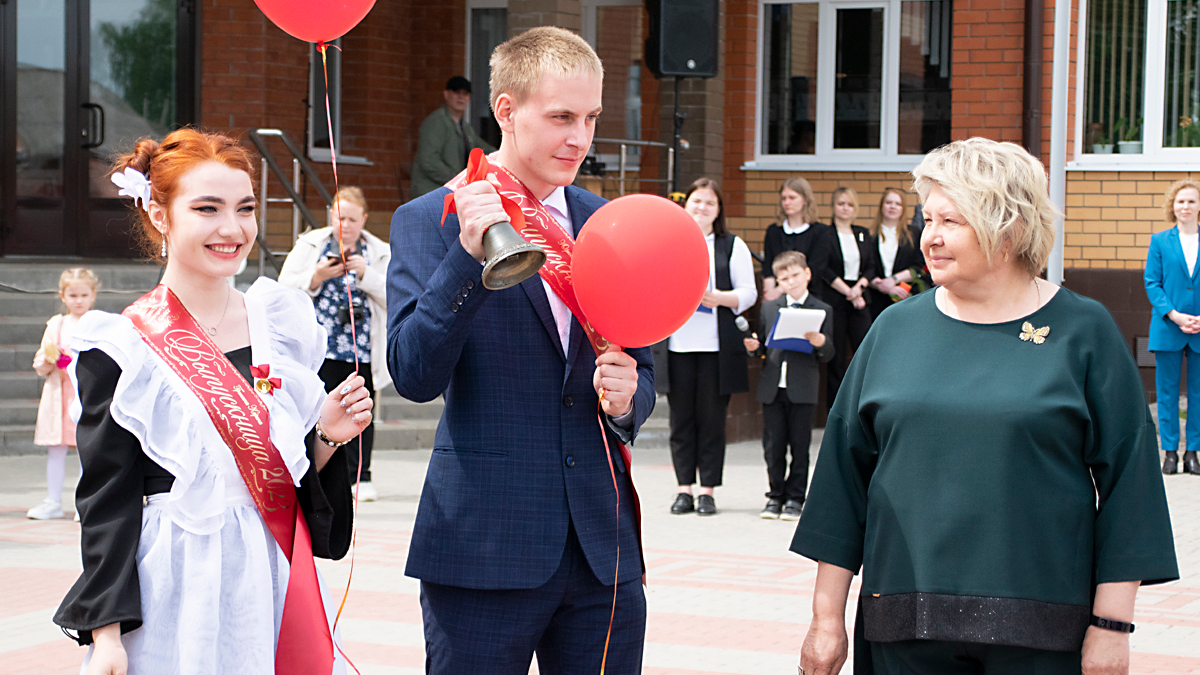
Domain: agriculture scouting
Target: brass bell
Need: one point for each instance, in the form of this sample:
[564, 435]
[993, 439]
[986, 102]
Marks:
[510, 259]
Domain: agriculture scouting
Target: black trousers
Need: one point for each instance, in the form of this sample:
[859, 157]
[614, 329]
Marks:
[786, 424]
[918, 657]
[850, 326]
[697, 418]
[332, 374]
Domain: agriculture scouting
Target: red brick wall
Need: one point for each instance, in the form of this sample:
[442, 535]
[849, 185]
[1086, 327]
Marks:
[988, 71]
[741, 73]
[394, 65]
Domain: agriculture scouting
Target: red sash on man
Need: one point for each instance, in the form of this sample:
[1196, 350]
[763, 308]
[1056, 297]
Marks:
[305, 646]
[535, 224]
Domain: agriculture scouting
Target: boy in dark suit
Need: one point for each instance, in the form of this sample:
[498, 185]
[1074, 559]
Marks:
[787, 389]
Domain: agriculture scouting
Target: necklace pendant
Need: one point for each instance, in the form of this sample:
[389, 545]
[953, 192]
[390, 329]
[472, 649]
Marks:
[211, 331]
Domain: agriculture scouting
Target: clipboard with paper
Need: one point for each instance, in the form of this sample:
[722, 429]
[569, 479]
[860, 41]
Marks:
[790, 327]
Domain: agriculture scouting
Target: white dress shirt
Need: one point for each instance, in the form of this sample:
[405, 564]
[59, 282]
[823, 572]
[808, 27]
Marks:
[889, 244]
[851, 257]
[699, 334]
[556, 204]
[783, 365]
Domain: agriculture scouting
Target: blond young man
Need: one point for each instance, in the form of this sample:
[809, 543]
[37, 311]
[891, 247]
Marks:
[516, 537]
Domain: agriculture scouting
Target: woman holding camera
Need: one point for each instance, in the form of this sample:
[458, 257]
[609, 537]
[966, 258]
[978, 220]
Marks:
[315, 266]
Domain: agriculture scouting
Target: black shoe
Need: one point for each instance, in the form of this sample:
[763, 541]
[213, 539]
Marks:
[1170, 463]
[792, 510]
[683, 504]
[772, 510]
[706, 505]
[1190, 463]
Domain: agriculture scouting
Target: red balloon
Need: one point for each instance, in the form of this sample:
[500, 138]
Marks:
[315, 20]
[640, 268]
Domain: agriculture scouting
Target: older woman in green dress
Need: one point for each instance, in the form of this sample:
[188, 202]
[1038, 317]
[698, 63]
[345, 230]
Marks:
[990, 461]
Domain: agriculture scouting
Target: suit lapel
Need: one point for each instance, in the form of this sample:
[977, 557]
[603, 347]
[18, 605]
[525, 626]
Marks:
[541, 304]
[1176, 248]
[574, 342]
[579, 216]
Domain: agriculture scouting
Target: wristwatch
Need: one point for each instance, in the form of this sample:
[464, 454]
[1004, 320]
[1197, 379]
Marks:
[1111, 624]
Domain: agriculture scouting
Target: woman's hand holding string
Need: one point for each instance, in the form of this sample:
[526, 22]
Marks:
[344, 414]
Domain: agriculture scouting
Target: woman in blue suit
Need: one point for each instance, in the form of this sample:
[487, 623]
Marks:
[1171, 285]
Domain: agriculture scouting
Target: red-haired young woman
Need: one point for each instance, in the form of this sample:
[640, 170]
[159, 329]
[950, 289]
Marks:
[206, 439]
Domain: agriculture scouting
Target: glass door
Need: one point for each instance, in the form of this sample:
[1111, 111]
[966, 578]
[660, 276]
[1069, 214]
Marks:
[132, 92]
[81, 82]
[36, 202]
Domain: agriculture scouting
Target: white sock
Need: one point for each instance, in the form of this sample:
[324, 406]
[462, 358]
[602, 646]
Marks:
[56, 469]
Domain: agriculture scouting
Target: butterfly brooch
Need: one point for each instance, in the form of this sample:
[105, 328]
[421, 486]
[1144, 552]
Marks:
[1035, 335]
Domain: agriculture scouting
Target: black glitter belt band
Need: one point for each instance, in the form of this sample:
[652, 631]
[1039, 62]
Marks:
[970, 618]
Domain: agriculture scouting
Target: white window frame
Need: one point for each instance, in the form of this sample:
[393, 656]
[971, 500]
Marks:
[1154, 157]
[467, 10]
[470, 5]
[826, 158]
[589, 21]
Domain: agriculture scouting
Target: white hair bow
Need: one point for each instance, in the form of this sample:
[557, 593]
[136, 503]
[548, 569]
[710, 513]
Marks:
[133, 183]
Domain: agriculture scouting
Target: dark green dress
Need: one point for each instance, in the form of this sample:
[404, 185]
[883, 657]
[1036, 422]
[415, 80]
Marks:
[987, 483]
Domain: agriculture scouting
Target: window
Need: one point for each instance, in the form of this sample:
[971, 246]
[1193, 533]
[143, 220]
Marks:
[1139, 87]
[487, 27]
[846, 82]
[614, 29]
[1116, 72]
[1181, 100]
[319, 120]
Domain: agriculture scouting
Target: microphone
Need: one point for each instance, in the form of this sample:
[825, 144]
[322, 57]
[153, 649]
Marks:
[743, 325]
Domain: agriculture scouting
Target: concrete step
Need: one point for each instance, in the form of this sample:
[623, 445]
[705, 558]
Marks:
[655, 433]
[410, 434]
[43, 274]
[46, 305]
[21, 411]
[22, 330]
[393, 408]
[16, 357]
[18, 440]
[20, 385]
[404, 434]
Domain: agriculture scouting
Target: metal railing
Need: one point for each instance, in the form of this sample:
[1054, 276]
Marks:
[299, 210]
[622, 170]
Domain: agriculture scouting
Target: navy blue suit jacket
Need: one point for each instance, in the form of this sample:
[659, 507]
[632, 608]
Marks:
[1170, 285]
[518, 452]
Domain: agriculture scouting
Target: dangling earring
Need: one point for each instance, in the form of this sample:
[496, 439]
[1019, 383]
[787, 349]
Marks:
[164, 247]
[165, 252]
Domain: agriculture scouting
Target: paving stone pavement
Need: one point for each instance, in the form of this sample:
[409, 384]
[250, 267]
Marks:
[724, 595]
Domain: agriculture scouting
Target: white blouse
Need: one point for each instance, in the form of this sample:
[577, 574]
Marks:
[851, 257]
[699, 334]
[889, 244]
[1190, 244]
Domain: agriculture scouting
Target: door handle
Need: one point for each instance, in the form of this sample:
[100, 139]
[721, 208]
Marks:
[95, 125]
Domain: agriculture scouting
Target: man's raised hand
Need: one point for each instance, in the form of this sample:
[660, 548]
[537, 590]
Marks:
[478, 205]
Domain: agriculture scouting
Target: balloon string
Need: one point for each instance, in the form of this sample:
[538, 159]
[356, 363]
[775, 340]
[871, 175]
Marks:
[617, 571]
[337, 205]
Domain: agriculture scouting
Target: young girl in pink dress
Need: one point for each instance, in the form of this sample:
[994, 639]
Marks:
[77, 287]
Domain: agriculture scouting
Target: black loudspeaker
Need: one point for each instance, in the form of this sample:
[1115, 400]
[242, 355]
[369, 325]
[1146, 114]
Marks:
[683, 37]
